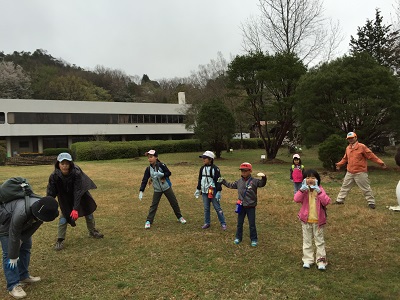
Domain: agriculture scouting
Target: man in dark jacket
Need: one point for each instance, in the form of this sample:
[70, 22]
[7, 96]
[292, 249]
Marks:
[18, 222]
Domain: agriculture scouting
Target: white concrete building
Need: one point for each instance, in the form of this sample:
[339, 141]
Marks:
[33, 125]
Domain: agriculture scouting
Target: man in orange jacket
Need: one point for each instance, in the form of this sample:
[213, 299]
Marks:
[356, 157]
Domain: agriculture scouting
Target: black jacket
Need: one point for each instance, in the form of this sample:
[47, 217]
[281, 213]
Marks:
[72, 192]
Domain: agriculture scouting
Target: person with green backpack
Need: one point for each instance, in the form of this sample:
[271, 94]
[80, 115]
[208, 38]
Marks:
[20, 217]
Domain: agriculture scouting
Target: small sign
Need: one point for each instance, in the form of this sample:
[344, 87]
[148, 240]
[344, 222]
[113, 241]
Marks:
[263, 156]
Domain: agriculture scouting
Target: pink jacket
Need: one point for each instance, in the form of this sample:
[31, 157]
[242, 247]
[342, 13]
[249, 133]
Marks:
[322, 200]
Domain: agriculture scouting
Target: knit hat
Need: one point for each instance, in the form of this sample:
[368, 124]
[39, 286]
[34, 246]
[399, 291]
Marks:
[45, 209]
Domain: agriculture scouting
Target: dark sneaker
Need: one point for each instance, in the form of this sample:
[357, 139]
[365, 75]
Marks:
[236, 241]
[96, 234]
[338, 203]
[205, 226]
[371, 205]
[223, 226]
[59, 245]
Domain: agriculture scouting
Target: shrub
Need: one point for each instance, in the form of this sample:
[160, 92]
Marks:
[55, 151]
[331, 151]
[253, 143]
[103, 150]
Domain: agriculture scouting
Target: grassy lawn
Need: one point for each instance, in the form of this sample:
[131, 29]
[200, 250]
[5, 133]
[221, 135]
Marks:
[174, 261]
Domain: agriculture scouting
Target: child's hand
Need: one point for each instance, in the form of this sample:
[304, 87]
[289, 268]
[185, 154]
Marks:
[261, 174]
[304, 186]
[218, 196]
[197, 193]
[220, 179]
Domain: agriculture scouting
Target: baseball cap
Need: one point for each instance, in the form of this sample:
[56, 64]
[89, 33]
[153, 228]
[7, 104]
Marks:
[246, 166]
[351, 135]
[296, 156]
[208, 154]
[64, 156]
[151, 152]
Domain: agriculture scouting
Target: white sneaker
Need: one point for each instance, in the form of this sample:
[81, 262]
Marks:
[321, 264]
[17, 292]
[147, 225]
[182, 220]
[30, 279]
[306, 265]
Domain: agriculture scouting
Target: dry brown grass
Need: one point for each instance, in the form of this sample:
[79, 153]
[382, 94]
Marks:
[174, 261]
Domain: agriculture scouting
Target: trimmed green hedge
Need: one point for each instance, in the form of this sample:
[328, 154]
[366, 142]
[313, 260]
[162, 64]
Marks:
[104, 150]
[54, 151]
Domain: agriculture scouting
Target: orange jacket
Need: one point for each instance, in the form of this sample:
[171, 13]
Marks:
[356, 158]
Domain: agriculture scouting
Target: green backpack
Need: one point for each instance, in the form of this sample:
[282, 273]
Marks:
[15, 188]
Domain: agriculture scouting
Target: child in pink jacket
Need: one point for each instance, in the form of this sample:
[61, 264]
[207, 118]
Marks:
[312, 215]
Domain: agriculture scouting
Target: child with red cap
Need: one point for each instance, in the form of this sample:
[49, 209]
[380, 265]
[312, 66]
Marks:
[247, 198]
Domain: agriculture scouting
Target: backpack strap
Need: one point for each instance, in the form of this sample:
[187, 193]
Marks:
[27, 199]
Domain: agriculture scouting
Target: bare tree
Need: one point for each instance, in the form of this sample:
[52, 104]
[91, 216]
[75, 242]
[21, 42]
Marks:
[290, 26]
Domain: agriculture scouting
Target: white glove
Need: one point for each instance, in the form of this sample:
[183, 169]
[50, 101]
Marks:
[140, 195]
[304, 186]
[12, 263]
[197, 193]
[261, 174]
[316, 187]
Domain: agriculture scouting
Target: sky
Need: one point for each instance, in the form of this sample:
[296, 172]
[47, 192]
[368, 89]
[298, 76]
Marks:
[160, 38]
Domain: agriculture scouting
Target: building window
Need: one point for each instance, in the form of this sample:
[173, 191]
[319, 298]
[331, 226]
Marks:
[23, 144]
[85, 118]
[2, 118]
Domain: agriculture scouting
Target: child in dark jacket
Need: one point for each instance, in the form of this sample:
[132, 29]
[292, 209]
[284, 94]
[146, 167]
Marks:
[247, 198]
[71, 187]
[158, 174]
[312, 215]
[210, 189]
[296, 172]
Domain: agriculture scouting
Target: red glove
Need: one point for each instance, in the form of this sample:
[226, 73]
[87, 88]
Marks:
[74, 215]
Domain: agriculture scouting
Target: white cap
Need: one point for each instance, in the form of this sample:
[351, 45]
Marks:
[64, 156]
[209, 154]
[296, 156]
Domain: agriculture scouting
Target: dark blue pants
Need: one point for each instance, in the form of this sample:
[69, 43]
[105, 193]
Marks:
[251, 216]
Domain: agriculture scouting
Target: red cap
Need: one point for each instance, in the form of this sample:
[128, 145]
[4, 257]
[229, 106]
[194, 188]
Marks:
[246, 166]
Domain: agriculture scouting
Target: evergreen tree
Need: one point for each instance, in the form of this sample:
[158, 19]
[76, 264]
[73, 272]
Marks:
[379, 41]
